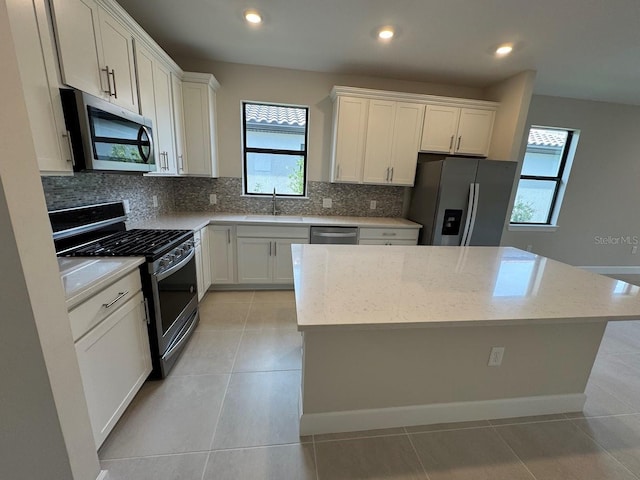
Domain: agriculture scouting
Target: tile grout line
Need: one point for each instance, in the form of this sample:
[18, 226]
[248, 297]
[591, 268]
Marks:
[602, 447]
[495, 430]
[315, 455]
[226, 390]
[415, 451]
[206, 464]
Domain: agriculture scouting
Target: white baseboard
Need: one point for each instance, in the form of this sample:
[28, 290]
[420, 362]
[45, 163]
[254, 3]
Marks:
[613, 269]
[354, 420]
[102, 475]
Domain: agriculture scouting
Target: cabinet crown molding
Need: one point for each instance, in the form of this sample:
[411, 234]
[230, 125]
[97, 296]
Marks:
[338, 91]
[205, 78]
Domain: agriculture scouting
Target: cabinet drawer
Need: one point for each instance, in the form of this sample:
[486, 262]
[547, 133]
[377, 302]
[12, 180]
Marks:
[90, 313]
[270, 231]
[389, 234]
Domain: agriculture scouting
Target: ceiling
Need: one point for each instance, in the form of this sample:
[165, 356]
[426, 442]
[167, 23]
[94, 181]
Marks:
[580, 48]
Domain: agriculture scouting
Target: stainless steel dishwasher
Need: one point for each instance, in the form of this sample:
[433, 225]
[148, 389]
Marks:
[335, 235]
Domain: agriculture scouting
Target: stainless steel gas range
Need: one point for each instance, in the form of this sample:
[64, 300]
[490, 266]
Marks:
[169, 280]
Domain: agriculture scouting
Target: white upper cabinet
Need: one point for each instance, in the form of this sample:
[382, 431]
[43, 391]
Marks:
[406, 141]
[36, 60]
[95, 51]
[377, 135]
[474, 131]
[178, 123]
[119, 65]
[457, 130]
[349, 129]
[200, 141]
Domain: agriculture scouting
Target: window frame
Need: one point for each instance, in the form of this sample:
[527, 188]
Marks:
[558, 179]
[274, 151]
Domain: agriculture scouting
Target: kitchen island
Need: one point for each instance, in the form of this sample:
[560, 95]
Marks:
[397, 336]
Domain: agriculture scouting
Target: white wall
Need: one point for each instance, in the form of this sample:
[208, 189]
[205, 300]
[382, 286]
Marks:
[43, 414]
[514, 95]
[277, 85]
[603, 192]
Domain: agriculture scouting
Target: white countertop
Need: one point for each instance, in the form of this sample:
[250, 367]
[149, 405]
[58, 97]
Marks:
[83, 277]
[342, 286]
[196, 221]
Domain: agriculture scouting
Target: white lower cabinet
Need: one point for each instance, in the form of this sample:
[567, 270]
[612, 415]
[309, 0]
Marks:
[203, 262]
[114, 362]
[264, 253]
[222, 254]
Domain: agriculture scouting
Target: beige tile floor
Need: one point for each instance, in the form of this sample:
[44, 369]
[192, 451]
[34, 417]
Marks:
[229, 411]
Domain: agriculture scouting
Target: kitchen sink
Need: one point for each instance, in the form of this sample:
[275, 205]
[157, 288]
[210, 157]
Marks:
[273, 218]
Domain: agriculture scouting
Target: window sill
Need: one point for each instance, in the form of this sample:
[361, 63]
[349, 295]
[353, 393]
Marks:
[533, 228]
[270, 197]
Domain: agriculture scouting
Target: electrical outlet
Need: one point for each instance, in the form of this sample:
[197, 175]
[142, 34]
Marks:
[326, 203]
[373, 204]
[634, 249]
[495, 357]
[127, 206]
[155, 201]
[213, 199]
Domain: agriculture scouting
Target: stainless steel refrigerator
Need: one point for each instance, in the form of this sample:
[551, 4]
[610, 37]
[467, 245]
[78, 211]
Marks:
[461, 201]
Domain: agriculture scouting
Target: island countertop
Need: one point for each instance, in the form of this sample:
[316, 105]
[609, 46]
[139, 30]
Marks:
[340, 286]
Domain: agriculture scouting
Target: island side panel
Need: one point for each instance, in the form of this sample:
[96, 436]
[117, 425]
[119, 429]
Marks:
[366, 376]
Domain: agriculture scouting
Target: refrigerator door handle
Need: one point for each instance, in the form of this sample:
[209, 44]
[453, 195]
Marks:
[467, 223]
[476, 196]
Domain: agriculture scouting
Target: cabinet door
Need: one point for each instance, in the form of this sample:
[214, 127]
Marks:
[117, 47]
[406, 143]
[221, 250]
[379, 142]
[474, 131]
[283, 263]
[114, 360]
[255, 260]
[147, 103]
[197, 128]
[164, 116]
[349, 128]
[31, 36]
[440, 127]
[178, 123]
[77, 30]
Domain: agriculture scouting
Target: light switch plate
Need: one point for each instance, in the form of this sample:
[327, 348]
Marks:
[326, 203]
[155, 201]
[373, 205]
[495, 357]
[127, 206]
[213, 199]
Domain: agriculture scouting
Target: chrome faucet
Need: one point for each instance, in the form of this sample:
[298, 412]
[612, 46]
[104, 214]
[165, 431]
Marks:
[273, 201]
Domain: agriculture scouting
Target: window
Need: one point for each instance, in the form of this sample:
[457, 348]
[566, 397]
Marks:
[275, 149]
[544, 172]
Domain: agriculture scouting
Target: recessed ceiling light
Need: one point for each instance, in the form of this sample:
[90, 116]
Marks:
[252, 16]
[505, 49]
[385, 33]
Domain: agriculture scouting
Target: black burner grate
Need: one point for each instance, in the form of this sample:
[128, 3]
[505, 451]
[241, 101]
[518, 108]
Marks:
[150, 243]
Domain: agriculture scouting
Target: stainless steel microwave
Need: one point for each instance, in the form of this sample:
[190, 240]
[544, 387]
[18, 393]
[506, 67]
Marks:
[105, 136]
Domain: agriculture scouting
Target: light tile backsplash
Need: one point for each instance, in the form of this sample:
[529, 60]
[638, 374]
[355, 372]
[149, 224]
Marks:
[191, 194]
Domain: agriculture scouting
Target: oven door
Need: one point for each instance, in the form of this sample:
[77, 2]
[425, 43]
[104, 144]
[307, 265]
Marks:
[175, 299]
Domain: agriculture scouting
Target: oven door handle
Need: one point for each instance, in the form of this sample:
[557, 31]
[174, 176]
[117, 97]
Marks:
[184, 336]
[161, 276]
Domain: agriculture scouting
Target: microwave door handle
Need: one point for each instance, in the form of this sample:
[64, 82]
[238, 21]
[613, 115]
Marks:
[144, 130]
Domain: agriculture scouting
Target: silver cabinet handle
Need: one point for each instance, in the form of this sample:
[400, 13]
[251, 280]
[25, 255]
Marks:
[387, 177]
[120, 295]
[180, 163]
[459, 140]
[166, 160]
[68, 137]
[451, 142]
[391, 179]
[146, 311]
[108, 91]
[269, 248]
[115, 89]
[229, 236]
[389, 234]
[275, 249]
[338, 176]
